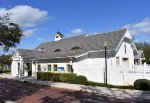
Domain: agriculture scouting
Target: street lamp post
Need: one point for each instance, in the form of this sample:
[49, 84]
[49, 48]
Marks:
[105, 46]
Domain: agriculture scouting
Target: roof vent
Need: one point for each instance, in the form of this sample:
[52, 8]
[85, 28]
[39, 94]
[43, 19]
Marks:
[41, 49]
[75, 47]
[57, 50]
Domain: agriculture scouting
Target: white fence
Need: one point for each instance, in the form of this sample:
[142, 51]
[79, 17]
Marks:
[117, 76]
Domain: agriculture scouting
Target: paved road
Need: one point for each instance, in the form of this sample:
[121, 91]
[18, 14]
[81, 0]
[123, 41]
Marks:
[22, 92]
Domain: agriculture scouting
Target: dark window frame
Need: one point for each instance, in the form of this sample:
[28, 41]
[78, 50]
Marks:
[39, 67]
[49, 69]
[55, 68]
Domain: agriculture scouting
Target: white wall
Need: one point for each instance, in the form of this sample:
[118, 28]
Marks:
[121, 54]
[92, 68]
[14, 66]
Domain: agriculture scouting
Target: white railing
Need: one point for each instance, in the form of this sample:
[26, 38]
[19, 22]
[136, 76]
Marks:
[145, 66]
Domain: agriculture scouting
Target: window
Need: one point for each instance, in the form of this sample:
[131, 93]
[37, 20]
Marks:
[55, 67]
[125, 48]
[57, 50]
[117, 61]
[49, 68]
[39, 67]
[75, 47]
[69, 68]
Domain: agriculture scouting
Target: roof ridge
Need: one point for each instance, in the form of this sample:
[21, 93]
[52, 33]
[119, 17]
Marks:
[109, 32]
[27, 49]
[65, 38]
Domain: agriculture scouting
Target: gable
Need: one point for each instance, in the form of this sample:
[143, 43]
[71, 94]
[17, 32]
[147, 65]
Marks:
[128, 34]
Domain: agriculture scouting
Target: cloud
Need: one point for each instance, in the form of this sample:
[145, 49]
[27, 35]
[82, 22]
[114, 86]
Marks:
[142, 27]
[76, 31]
[26, 16]
[28, 33]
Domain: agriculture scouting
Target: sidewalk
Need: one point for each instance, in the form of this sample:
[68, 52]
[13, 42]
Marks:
[114, 92]
[117, 93]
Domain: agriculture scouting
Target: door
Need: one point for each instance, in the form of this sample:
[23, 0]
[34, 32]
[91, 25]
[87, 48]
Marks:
[29, 67]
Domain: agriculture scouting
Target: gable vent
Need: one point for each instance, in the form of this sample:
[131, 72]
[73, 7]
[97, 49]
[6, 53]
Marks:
[57, 50]
[75, 47]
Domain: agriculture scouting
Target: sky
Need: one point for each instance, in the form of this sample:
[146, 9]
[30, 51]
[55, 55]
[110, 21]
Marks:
[41, 19]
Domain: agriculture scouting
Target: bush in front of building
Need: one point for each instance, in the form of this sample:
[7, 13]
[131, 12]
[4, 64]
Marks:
[79, 80]
[142, 84]
[6, 71]
[62, 77]
[56, 77]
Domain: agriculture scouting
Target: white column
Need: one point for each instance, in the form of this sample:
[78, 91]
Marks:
[34, 70]
[21, 69]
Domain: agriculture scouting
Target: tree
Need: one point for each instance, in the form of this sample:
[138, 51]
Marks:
[5, 61]
[146, 49]
[10, 33]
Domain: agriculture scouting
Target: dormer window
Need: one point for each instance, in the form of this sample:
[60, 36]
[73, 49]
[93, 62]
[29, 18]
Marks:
[57, 50]
[41, 49]
[75, 48]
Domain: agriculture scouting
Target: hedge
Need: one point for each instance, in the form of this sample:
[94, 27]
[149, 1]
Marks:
[73, 78]
[56, 77]
[6, 71]
[62, 77]
[142, 84]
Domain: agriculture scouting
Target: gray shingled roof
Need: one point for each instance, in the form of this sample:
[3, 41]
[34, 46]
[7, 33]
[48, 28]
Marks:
[86, 43]
[139, 55]
[28, 54]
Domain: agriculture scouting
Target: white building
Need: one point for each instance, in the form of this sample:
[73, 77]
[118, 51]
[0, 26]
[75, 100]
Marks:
[83, 55]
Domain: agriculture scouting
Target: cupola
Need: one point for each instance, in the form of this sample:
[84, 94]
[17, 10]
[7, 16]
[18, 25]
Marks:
[58, 36]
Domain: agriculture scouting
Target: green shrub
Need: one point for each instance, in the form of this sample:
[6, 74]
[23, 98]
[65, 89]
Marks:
[56, 77]
[6, 71]
[142, 84]
[79, 80]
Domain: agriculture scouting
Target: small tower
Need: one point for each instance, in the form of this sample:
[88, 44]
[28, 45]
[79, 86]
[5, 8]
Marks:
[58, 36]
